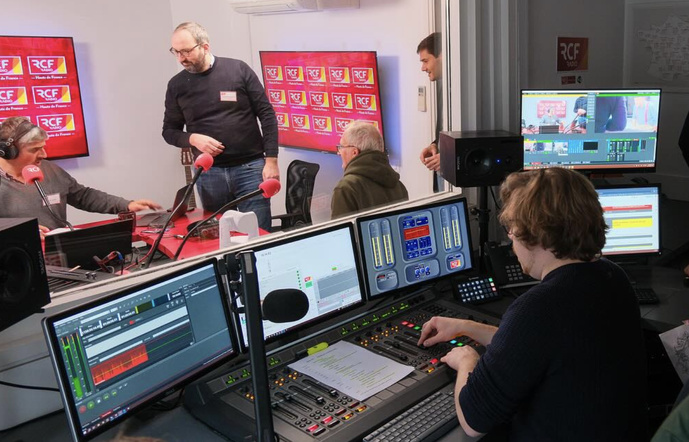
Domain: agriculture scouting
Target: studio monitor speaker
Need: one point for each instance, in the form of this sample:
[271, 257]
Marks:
[479, 158]
[23, 279]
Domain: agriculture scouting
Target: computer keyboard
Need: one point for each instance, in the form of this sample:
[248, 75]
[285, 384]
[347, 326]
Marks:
[646, 295]
[426, 421]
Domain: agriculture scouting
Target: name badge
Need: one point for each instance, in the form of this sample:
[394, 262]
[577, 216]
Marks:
[53, 199]
[228, 95]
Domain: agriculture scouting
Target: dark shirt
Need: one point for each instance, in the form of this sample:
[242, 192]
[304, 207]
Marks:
[611, 114]
[567, 362]
[195, 100]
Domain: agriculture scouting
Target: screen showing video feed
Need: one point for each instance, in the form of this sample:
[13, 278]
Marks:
[413, 246]
[316, 94]
[39, 80]
[632, 214]
[597, 130]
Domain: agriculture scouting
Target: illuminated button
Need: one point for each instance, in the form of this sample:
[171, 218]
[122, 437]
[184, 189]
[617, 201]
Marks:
[327, 420]
[348, 416]
[430, 370]
[361, 408]
[453, 342]
[433, 361]
[82, 409]
[417, 327]
[404, 323]
[312, 428]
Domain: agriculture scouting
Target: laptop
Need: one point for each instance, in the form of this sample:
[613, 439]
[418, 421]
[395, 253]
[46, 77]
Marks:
[78, 247]
[158, 218]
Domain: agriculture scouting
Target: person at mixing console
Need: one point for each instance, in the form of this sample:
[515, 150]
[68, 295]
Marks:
[23, 144]
[567, 361]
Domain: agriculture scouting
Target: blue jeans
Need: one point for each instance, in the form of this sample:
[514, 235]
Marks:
[220, 185]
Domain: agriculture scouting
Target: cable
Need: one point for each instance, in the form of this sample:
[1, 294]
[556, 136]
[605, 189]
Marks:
[495, 200]
[28, 387]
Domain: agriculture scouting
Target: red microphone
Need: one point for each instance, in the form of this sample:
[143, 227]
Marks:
[32, 174]
[204, 161]
[270, 187]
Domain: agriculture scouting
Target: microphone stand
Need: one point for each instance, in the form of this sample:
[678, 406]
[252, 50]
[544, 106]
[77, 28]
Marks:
[47, 205]
[254, 327]
[224, 208]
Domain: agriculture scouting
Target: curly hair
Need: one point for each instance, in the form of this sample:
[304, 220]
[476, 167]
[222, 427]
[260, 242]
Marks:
[555, 208]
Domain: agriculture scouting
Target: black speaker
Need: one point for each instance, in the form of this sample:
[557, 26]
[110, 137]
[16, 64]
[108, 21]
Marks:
[479, 158]
[23, 280]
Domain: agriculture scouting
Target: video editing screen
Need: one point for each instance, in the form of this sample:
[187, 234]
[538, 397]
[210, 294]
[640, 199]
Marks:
[39, 80]
[120, 353]
[322, 264]
[632, 214]
[411, 246]
[596, 130]
[316, 94]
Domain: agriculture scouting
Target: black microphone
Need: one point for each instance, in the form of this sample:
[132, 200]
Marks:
[268, 188]
[32, 174]
[284, 305]
[203, 163]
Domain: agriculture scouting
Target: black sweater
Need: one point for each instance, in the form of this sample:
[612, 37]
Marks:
[567, 362]
[195, 100]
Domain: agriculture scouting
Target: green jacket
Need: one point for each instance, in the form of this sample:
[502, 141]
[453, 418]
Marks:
[368, 182]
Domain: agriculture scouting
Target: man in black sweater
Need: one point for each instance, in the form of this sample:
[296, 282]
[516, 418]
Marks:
[218, 100]
[567, 362]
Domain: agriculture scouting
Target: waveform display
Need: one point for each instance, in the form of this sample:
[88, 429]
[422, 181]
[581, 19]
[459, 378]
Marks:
[119, 364]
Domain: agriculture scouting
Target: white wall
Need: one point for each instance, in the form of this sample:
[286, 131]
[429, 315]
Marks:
[121, 49]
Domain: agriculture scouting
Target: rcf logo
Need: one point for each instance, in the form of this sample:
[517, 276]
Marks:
[362, 75]
[300, 121]
[339, 75]
[56, 123]
[322, 124]
[273, 73]
[315, 74]
[297, 98]
[342, 100]
[11, 66]
[277, 96]
[51, 94]
[365, 102]
[319, 99]
[33, 169]
[341, 124]
[283, 120]
[12, 96]
[47, 65]
[294, 73]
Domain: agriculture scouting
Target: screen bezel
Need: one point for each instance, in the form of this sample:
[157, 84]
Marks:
[416, 286]
[75, 425]
[588, 169]
[81, 118]
[377, 82]
[622, 257]
[292, 333]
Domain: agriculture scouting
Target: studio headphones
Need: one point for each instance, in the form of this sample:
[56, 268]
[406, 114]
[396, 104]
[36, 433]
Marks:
[8, 150]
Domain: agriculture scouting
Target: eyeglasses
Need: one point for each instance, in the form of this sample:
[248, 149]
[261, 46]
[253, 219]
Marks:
[342, 146]
[183, 52]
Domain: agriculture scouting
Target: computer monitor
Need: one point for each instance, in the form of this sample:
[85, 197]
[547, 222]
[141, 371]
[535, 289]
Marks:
[597, 130]
[632, 213]
[322, 263]
[121, 353]
[412, 246]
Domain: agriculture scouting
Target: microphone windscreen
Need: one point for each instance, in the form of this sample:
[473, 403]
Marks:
[204, 161]
[32, 173]
[285, 305]
[270, 187]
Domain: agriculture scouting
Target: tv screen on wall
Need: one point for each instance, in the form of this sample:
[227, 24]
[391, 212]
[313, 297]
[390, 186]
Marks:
[39, 80]
[316, 94]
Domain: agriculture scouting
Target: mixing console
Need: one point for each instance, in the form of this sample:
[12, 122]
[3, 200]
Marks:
[306, 410]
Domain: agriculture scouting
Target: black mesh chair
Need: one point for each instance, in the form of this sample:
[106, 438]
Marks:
[301, 177]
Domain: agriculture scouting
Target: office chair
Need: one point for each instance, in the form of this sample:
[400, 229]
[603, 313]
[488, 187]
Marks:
[301, 177]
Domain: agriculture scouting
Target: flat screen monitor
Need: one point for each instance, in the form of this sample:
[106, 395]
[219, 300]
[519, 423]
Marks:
[323, 264]
[406, 247]
[316, 94]
[39, 80]
[632, 214]
[121, 353]
[599, 131]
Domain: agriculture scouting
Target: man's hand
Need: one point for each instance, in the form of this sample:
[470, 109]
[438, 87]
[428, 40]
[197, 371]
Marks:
[42, 230]
[430, 157]
[135, 206]
[206, 144]
[271, 170]
[464, 357]
[440, 329]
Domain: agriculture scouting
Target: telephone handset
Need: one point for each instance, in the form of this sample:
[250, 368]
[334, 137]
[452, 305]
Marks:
[505, 266]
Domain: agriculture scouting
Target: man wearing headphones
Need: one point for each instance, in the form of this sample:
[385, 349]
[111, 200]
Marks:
[22, 144]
